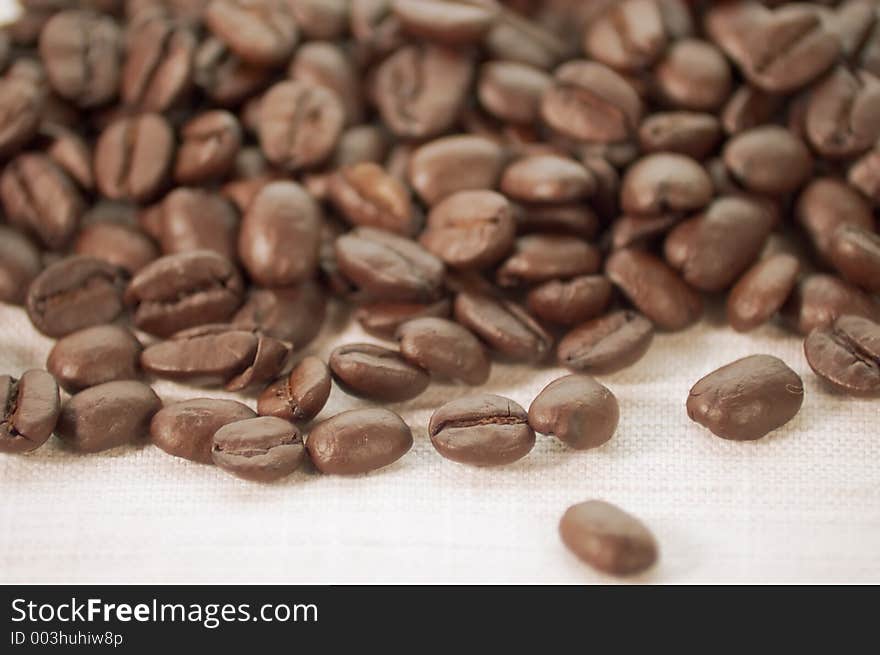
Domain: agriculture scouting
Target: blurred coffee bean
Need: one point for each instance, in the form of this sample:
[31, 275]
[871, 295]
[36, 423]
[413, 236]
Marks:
[768, 160]
[762, 291]
[209, 144]
[444, 166]
[378, 373]
[504, 326]
[95, 355]
[819, 299]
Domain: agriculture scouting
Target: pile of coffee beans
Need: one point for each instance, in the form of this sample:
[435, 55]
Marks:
[187, 183]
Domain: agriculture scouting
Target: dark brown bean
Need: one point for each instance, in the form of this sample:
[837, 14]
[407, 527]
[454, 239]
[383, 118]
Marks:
[224, 77]
[186, 429]
[538, 258]
[819, 300]
[444, 349]
[382, 319]
[193, 219]
[762, 291]
[768, 159]
[847, 355]
[504, 326]
[665, 182]
[687, 133]
[843, 113]
[512, 91]
[855, 253]
[209, 144]
[607, 344]
[454, 23]
[19, 265]
[455, 163]
[261, 449]
[827, 203]
[570, 302]
[378, 373]
[293, 314]
[261, 32]
[20, 113]
[93, 356]
[29, 410]
[694, 75]
[577, 410]
[367, 195]
[547, 178]
[120, 245]
[299, 396]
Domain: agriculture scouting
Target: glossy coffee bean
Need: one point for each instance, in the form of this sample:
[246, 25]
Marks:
[746, 399]
[537, 258]
[366, 195]
[193, 219]
[846, 355]
[577, 219]
[570, 302]
[827, 203]
[293, 314]
[71, 153]
[577, 410]
[444, 349]
[186, 429]
[606, 344]
[299, 396]
[29, 410]
[481, 430]
[261, 449]
[261, 32]
[209, 144]
[378, 373]
[327, 64]
[762, 291]
[683, 132]
[450, 164]
[120, 245]
[819, 299]
[855, 253]
[768, 159]
[665, 182]
[843, 113]
[547, 178]
[504, 326]
[224, 77]
[358, 441]
[749, 107]
[640, 230]
[93, 356]
[512, 91]
[382, 319]
[19, 264]
[693, 74]
[456, 23]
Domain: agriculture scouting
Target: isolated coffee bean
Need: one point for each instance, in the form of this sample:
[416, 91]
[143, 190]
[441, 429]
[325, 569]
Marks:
[19, 264]
[299, 396]
[209, 144]
[186, 429]
[280, 234]
[107, 416]
[21, 103]
[368, 196]
[768, 159]
[29, 410]
[481, 430]
[224, 77]
[843, 113]
[687, 133]
[193, 219]
[818, 300]
[120, 245]
[382, 319]
[444, 349]
[262, 449]
[847, 355]
[749, 107]
[855, 253]
[74, 293]
[762, 291]
[378, 373]
[95, 355]
[358, 441]
[547, 178]
[180, 291]
[261, 32]
[825, 204]
[665, 182]
[693, 74]
[570, 302]
[512, 91]
[577, 410]
[504, 326]
[746, 399]
[450, 164]
[455, 23]
[293, 314]
[607, 344]
[607, 538]
[538, 258]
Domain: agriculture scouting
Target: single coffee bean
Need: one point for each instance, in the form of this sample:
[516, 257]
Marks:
[747, 399]
[327, 64]
[444, 349]
[694, 75]
[29, 410]
[827, 203]
[133, 156]
[864, 175]
[321, 19]
[358, 441]
[280, 235]
[263, 449]
[107, 416]
[481, 430]
[367, 195]
[847, 355]
[762, 291]
[293, 314]
[819, 300]
[41, 199]
[570, 302]
[456, 23]
[180, 291]
[577, 410]
[577, 219]
[193, 219]
[378, 373]
[20, 113]
[19, 264]
[382, 319]
[683, 132]
[261, 32]
[209, 144]
[512, 91]
[538, 258]
[361, 143]
[525, 42]
[186, 429]
[504, 326]
[74, 293]
[749, 107]
[768, 159]
[855, 253]
[638, 230]
[224, 77]
[607, 538]
[93, 356]
[81, 51]
[71, 153]
[547, 178]
[122, 246]
[654, 288]
[299, 396]
[665, 182]
[843, 113]
[387, 266]
[608, 344]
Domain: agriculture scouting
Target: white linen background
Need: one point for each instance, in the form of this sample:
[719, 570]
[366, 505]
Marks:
[800, 506]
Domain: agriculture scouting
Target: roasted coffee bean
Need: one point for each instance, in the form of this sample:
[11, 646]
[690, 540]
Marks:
[107, 416]
[504, 326]
[367, 195]
[847, 355]
[693, 75]
[607, 538]
[361, 143]
[456, 23]
[29, 410]
[570, 302]
[378, 373]
[444, 349]
[93, 356]
[470, 229]
[71, 153]
[526, 42]
[762, 291]
[864, 175]
[261, 449]
[186, 429]
[843, 113]
[577, 219]
[481, 430]
[180, 291]
[326, 64]
[21, 104]
[321, 19]
[547, 178]
[607, 344]
[300, 124]
[280, 235]
[455, 163]
[537, 258]
[512, 91]
[577, 410]
[591, 102]
[387, 266]
[687, 133]
[293, 314]
[193, 219]
[299, 396]
[120, 245]
[749, 107]
[629, 230]
[375, 29]
[133, 156]
[81, 51]
[420, 89]
[769, 160]
[19, 264]
[209, 144]
[39, 198]
[261, 32]
[654, 288]
[827, 203]
[74, 293]
[855, 253]
[819, 300]
[746, 399]
[382, 319]
[358, 441]
[665, 182]
[224, 77]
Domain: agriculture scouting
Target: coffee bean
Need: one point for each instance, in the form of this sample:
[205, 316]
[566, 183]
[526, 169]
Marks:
[445, 166]
[20, 109]
[687, 133]
[321, 19]
[361, 143]
[481, 430]
[525, 42]
[261, 32]
[107, 416]
[209, 143]
[576, 219]
[693, 75]
[864, 175]
[444, 349]
[749, 107]
[456, 23]
[538, 258]
[224, 77]
[186, 429]
[607, 538]
[74, 293]
[762, 291]
[293, 314]
[367, 195]
[768, 159]
[665, 182]
[29, 410]
[570, 302]
[842, 113]
[71, 154]
[512, 91]
[133, 156]
[263, 449]
[193, 219]
[180, 291]
[376, 30]
[827, 203]
[280, 235]
[819, 300]
[299, 396]
[855, 252]
[847, 355]
[382, 319]
[577, 410]
[120, 245]
[19, 264]
[504, 326]
[547, 178]
[326, 64]
[607, 344]
[638, 230]
[94, 355]
[378, 373]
